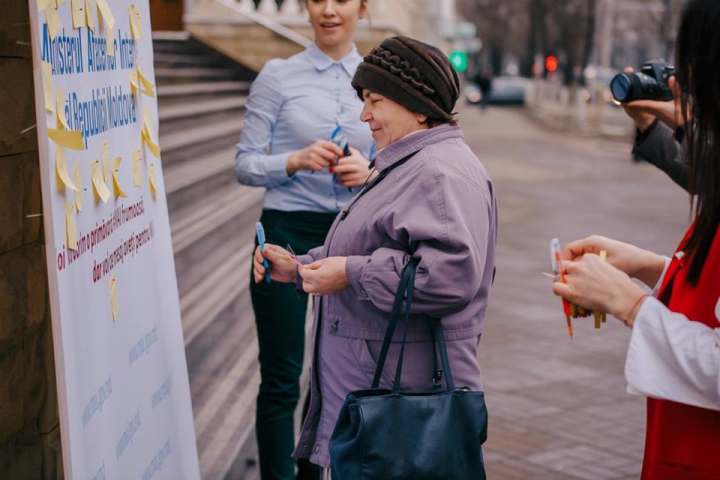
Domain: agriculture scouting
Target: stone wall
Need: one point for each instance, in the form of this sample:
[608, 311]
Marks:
[29, 425]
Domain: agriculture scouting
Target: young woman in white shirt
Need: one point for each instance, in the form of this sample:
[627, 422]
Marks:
[674, 353]
[294, 107]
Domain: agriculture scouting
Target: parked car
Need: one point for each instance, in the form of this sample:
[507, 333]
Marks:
[506, 90]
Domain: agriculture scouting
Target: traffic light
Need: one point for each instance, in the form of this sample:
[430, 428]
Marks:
[459, 60]
[551, 63]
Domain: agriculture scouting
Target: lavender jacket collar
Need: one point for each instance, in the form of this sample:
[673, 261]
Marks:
[408, 145]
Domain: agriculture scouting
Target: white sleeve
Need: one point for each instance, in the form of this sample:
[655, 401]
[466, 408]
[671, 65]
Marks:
[658, 284]
[673, 358]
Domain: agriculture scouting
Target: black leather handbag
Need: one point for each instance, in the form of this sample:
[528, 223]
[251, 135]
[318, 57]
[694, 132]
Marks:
[390, 434]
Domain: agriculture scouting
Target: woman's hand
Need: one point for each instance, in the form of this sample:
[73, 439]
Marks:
[325, 277]
[283, 268]
[642, 264]
[316, 157]
[597, 285]
[353, 170]
[644, 112]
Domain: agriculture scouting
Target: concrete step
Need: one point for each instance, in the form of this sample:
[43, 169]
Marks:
[186, 174]
[191, 89]
[221, 437]
[201, 305]
[194, 73]
[175, 141]
[165, 59]
[193, 223]
[201, 108]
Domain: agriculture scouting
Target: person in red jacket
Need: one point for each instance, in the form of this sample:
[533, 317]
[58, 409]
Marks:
[674, 353]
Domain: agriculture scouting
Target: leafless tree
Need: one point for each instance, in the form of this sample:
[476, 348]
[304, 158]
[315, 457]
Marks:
[528, 27]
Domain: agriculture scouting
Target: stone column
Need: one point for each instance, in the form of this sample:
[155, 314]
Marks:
[247, 4]
[268, 7]
[291, 8]
[29, 424]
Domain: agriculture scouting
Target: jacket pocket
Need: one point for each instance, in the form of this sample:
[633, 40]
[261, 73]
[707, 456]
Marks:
[367, 364]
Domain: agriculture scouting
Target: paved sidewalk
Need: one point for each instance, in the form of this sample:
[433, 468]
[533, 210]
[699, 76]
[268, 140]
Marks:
[558, 407]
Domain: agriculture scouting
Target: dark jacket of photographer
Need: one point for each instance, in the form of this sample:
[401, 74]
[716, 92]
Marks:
[663, 148]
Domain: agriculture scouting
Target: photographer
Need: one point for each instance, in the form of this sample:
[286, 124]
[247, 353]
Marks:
[674, 352]
[660, 133]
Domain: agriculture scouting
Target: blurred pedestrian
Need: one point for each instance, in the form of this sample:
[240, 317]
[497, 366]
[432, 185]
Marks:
[660, 134]
[293, 108]
[483, 80]
[432, 201]
[674, 354]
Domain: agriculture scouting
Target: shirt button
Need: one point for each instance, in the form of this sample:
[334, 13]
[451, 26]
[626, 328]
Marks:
[316, 449]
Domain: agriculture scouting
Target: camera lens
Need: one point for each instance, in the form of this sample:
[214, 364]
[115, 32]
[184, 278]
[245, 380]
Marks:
[621, 87]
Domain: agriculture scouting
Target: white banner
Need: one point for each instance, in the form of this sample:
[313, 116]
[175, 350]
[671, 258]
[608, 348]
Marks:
[123, 387]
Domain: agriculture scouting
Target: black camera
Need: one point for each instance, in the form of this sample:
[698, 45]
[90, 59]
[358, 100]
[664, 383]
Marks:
[650, 83]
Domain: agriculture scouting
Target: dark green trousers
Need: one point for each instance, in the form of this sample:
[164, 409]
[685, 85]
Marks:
[280, 319]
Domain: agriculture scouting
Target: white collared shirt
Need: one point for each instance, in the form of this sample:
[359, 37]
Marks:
[672, 358]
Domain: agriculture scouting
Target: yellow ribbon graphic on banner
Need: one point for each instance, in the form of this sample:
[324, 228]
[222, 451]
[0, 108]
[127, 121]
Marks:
[71, 139]
[62, 170]
[90, 14]
[62, 122]
[137, 168]
[78, 13]
[98, 182]
[114, 303]
[151, 177]
[116, 181]
[48, 86]
[106, 13]
[135, 22]
[147, 134]
[53, 21]
[77, 181]
[70, 227]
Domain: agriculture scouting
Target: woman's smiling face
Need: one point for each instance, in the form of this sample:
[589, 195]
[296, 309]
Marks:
[388, 120]
[334, 21]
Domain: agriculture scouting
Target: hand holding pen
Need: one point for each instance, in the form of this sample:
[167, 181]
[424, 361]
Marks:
[558, 270]
[352, 169]
[282, 264]
[316, 157]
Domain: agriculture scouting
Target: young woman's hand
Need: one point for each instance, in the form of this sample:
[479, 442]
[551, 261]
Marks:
[325, 277]
[352, 171]
[644, 112]
[316, 157]
[642, 264]
[283, 268]
[597, 285]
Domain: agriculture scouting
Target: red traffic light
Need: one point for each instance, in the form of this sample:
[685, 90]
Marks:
[551, 63]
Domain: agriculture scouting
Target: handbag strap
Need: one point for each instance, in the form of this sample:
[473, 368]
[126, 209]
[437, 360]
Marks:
[408, 272]
[408, 305]
[440, 339]
[407, 287]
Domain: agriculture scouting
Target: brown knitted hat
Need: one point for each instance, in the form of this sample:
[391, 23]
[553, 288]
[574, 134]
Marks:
[411, 73]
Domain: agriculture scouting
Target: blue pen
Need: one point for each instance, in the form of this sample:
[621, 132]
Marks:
[342, 143]
[261, 241]
[335, 132]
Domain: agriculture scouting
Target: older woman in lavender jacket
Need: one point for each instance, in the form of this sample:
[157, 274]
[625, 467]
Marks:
[432, 200]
